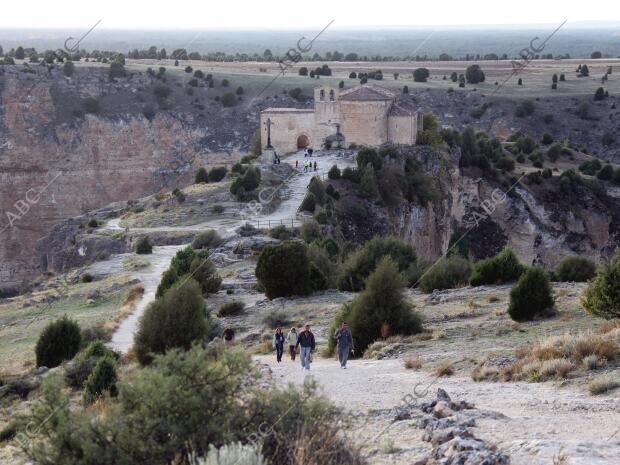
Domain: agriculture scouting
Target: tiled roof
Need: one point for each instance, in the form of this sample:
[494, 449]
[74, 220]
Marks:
[367, 92]
[288, 110]
[402, 108]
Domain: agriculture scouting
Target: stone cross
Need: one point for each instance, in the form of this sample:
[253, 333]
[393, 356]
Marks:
[268, 123]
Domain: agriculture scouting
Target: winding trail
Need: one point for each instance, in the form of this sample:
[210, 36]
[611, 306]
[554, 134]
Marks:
[292, 190]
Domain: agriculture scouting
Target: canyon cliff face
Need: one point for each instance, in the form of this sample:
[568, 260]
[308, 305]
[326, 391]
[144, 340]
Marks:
[56, 162]
[543, 222]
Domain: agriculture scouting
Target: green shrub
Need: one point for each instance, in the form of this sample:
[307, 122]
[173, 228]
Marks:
[93, 223]
[318, 189]
[175, 320]
[334, 172]
[606, 173]
[330, 246]
[201, 176]
[102, 379]
[308, 204]
[322, 217]
[448, 273]
[229, 99]
[84, 363]
[87, 278]
[554, 152]
[231, 308]
[575, 269]
[91, 105]
[334, 194]
[143, 246]
[191, 398]
[310, 231]
[351, 174]
[590, 167]
[217, 208]
[182, 260]
[168, 278]
[532, 296]
[368, 183]
[380, 311]
[322, 269]
[203, 270]
[363, 262]
[247, 182]
[217, 174]
[503, 268]
[178, 194]
[284, 270]
[368, 155]
[276, 319]
[207, 240]
[281, 232]
[59, 341]
[602, 296]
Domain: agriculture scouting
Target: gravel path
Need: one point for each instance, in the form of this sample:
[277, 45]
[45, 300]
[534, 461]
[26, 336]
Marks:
[531, 422]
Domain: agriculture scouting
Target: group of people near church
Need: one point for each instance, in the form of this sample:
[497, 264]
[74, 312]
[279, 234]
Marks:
[305, 344]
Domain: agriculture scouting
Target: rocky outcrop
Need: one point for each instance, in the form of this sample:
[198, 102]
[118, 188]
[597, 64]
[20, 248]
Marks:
[57, 162]
[448, 428]
[543, 223]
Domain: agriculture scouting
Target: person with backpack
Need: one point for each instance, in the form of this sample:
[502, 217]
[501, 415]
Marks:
[291, 340]
[278, 344]
[306, 341]
[344, 342]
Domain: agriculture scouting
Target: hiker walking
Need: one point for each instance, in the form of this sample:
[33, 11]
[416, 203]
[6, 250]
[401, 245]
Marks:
[296, 163]
[229, 336]
[278, 344]
[344, 341]
[305, 153]
[306, 341]
[291, 340]
[315, 166]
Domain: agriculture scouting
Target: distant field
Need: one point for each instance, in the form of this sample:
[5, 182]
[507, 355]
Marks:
[536, 76]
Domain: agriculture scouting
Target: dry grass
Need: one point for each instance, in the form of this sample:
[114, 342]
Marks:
[127, 308]
[555, 358]
[493, 298]
[486, 373]
[444, 369]
[561, 458]
[412, 363]
[603, 384]
[609, 326]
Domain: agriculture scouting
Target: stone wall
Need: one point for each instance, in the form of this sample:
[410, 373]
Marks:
[364, 122]
[402, 129]
[287, 126]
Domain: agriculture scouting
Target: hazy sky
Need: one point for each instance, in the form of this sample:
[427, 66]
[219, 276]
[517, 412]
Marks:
[309, 14]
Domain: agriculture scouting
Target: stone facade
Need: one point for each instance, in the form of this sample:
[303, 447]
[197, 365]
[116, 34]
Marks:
[363, 115]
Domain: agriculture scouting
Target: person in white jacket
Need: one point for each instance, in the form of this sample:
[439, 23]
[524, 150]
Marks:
[291, 340]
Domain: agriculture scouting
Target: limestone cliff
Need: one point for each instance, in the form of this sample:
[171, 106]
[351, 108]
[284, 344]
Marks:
[57, 162]
[542, 222]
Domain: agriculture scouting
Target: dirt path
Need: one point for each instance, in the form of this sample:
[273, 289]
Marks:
[531, 422]
[293, 191]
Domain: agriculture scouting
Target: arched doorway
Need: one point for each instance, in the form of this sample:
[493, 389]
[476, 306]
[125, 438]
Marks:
[303, 141]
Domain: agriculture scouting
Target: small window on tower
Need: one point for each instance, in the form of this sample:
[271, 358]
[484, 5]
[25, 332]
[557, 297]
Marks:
[322, 97]
[331, 95]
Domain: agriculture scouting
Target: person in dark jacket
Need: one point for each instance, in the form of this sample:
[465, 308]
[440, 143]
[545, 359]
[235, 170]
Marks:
[306, 341]
[344, 341]
[278, 344]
